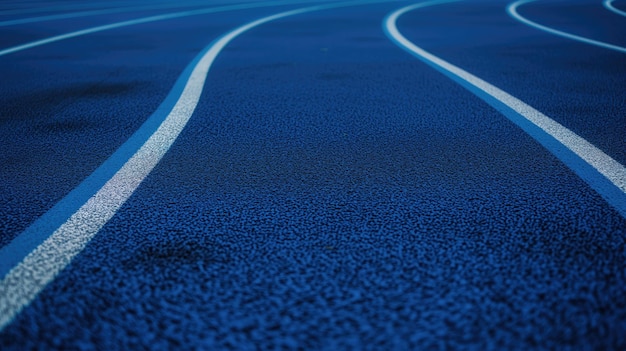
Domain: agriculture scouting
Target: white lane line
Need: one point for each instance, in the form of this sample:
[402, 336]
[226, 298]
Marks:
[107, 11]
[14, 252]
[512, 10]
[606, 167]
[24, 281]
[92, 30]
[64, 6]
[51, 7]
[609, 5]
[104, 12]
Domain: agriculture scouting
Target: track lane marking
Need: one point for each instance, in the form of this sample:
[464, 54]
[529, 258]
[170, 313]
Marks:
[23, 280]
[244, 6]
[52, 7]
[12, 253]
[512, 10]
[599, 170]
[64, 6]
[113, 11]
[41, 228]
[78, 14]
[609, 5]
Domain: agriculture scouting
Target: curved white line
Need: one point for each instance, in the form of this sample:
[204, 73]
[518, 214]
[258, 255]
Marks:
[512, 10]
[24, 281]
[609, 168]
[113, 11]
[14, 252]
[107, 11]
[64, 6]
[609, 5]
[147, 20]
[59, 7]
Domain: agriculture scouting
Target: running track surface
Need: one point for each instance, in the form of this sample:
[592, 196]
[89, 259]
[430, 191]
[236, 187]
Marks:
[383, 175]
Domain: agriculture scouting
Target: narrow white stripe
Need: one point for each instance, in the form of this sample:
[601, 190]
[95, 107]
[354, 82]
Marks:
[609, 5]
[51, 7]
[91, 13]
[146, 20]
[23, 282]
[64, 6]
[512, 10]
[119, 10]
[602, 162]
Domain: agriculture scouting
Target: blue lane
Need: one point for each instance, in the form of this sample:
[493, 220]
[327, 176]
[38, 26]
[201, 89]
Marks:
[576, 84]
[69, 105]
[584, 18]
[619, 5]
[332, 192]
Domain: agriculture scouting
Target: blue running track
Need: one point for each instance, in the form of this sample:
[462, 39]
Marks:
[316, 175]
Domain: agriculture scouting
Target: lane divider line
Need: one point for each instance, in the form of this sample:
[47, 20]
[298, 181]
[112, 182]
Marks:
[244, 6]
[43, 227]
[599, 170]
[512, 10]
[23, 280]
[106, 11]
[38, 231]
[609, 5]
[63, 6]
[117, 10]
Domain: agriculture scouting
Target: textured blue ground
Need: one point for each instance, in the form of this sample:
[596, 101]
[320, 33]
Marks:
[330, 191]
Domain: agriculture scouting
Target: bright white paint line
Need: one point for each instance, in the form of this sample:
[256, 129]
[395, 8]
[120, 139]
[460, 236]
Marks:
[40, 267]
[134, 9]
[107, 11]
[147, 20]
[603, 163]
[512, 10]
[24, 281]
[62, 6]
[29, 277]
[609, 5]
